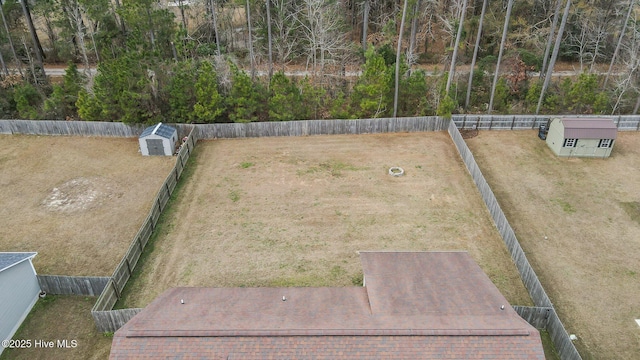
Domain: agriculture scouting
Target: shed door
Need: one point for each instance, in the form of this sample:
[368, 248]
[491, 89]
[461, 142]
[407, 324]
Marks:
[155, 147]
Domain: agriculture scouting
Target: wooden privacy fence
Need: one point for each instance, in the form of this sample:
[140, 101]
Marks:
[537, 316]
[78, 128]
[112, 320]
[561, 340]
[101, 312]
[528, 122]
[322, 127]
[303, 127]
[72, 285]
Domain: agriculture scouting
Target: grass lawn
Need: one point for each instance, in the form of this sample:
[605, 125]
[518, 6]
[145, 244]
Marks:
[294, 212]
[61, 318]
[578, 220]
[77, 201]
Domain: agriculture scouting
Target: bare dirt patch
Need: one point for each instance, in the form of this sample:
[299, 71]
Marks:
[79, 194]
[45, 323]
[577, 220]
[77, 201]
[295, 211]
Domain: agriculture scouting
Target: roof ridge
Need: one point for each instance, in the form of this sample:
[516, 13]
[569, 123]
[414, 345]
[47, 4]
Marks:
[156, 128]
[328, 332]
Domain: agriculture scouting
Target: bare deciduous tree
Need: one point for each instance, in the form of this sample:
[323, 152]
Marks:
[74, 12]
[554, 55]
[397, 80]
[252, 58]
[475, 52]
[552, 31]
[615, 52]
[286, 25]
[507, 18]
[322, 24]
[452, 67]
[13, 49]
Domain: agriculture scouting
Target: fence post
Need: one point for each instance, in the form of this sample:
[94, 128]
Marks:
[115, 288]
[140, 245]
[126, 261]
[512, 122]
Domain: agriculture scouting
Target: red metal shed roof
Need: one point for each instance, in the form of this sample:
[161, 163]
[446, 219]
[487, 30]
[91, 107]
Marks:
[581, 128]
[414, 305]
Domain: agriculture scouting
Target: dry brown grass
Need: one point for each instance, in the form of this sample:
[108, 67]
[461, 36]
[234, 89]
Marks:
[295, 211]
[45, 323]
[77, 201]
[590, 262]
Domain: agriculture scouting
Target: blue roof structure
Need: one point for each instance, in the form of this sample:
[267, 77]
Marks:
[160, 129]
[9, 259]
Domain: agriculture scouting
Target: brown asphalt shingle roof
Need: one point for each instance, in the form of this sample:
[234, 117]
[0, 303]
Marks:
[414, 305]
[581, 128]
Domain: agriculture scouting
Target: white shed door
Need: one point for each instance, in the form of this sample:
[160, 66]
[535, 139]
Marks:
[155, 147]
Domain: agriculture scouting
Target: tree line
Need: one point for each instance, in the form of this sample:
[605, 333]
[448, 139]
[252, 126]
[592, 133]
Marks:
[225, 60]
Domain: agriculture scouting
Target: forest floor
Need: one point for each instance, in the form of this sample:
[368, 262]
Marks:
[77, 201]
[295, 212]
[578, 220]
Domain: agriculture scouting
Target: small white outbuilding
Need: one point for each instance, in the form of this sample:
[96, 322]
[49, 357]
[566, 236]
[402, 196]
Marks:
[158, 139]
[582, 137]
[19, 291]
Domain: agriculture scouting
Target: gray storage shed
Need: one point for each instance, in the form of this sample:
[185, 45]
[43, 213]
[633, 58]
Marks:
[19, 291]
[582, 137]
[159, 139]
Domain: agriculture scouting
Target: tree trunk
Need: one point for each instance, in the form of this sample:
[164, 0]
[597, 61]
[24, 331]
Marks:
[4, 66]
[395, 96]
[118, 19]
[214, 23]
[93, 41]
[33, 68]
[251, 57]
[13, 49]
[37, 48]
[52, 37]
[454, 57]
[547, 49]
[554, 56]
[152, 32]
[365, 24]
[77, 17]
[502, 42]
[414, 32]
[615, 52]
[269, 39]
[475, 53]
[182, 17]
[635, 108]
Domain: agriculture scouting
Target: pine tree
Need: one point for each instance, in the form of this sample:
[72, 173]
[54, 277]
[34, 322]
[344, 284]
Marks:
[209, 103]
[371, 93]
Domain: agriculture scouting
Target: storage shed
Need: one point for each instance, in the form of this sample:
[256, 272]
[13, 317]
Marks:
[159, 139]
[19, 291]
[582, 137]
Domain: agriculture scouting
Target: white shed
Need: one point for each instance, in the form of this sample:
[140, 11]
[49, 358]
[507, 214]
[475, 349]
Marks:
[582, 137]
[159, 139]
[19, 291]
